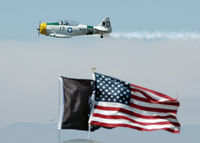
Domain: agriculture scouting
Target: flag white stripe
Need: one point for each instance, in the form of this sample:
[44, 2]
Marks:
[154, 96]
[138, 111]
[138, 94]
[153, 105]
[117, 113]
[123, 121]
[148, 109]
[150, 113]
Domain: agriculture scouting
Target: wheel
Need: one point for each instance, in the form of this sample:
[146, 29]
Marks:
[101, 36]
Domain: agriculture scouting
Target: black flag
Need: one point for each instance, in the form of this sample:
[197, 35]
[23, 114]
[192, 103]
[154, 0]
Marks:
[76, 107]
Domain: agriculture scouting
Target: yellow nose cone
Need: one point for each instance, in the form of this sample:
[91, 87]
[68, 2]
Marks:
[43, 27]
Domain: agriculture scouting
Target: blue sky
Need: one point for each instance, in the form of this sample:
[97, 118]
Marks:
[19, 19]
[30, 66]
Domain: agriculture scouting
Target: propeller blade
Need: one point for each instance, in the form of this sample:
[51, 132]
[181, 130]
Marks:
[38, 29]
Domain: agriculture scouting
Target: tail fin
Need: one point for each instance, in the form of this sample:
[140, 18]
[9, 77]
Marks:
[106, 23]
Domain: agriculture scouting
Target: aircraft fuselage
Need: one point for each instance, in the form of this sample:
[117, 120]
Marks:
[66, 30]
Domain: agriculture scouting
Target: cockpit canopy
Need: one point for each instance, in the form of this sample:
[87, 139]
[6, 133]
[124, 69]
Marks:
[68, 22]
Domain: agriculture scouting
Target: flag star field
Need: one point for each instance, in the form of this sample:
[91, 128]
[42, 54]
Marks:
[112, 90]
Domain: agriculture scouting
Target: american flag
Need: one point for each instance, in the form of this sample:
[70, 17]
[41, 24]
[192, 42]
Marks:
[121, 104]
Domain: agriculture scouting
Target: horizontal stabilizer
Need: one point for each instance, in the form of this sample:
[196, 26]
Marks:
[100, 28]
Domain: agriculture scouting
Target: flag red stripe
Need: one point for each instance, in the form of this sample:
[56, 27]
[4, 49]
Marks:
[152, 109]
[132, 113]
[144, 94]
[145, 100]
[130, 126]
[148, 110]
[133, 121]
[154, 92]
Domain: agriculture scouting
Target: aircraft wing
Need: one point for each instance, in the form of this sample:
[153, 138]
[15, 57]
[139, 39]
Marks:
[101, 28]
[59, 35]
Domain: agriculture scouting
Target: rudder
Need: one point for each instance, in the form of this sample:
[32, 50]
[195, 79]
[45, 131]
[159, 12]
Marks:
[106, 23]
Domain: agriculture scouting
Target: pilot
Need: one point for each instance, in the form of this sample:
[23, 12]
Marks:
[61, 22]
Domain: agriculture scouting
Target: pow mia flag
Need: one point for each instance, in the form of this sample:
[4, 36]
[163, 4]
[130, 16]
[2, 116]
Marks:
[75, 108]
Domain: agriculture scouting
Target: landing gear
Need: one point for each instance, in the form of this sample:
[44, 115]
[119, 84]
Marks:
[101, 36]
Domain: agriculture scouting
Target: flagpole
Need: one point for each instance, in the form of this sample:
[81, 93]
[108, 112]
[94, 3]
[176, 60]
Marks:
[59, 106]
[92, 99]
[58, 135]
[89, 126]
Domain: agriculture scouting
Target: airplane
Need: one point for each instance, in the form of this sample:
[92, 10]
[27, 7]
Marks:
[68, 29]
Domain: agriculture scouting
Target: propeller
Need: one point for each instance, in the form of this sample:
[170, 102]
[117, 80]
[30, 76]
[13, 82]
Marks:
[38, 29]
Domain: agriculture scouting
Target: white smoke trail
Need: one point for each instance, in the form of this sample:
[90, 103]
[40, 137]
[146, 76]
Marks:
[157, 35]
